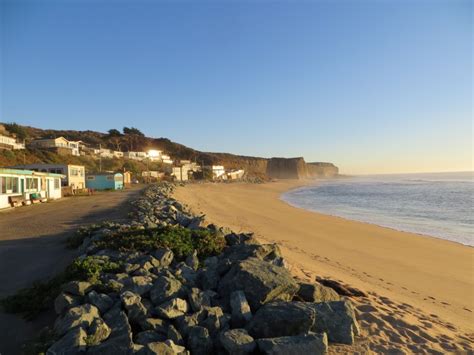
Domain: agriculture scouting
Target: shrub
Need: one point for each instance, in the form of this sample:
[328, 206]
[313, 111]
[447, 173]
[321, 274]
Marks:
[180, 240]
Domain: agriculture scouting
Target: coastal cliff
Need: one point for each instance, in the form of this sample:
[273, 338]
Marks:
[297, 168]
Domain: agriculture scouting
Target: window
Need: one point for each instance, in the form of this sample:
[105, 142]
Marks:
[8, 185]
[57, 184]
[74, 172]
[91, 178]
[31, 184]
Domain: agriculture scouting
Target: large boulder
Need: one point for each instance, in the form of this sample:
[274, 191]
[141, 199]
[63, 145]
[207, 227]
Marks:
[97, 332]
[65, 301]
[120, 339]
[338, 320]
[166, 288]
[173, 308]
[73, 342]
[279, 319]
[199, 341]
[198, 299]
[314, 344]
[261, 282]
[78, 288]
[241, 313]
[237, 342]
[102, 301]
[133, 305]
[81, 316]
[164, 256]
[315, 292]
[138, 284]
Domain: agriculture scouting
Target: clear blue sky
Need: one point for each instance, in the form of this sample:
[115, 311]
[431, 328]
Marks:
[373, 86]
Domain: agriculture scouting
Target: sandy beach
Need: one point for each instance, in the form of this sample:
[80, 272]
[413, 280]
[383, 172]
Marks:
[420, 289]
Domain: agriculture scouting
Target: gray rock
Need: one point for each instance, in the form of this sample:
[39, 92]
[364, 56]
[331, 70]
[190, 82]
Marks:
[133, 305]
[77, 288]
[279, 319]
[314, 344]
[214, 321]
[164, 256]
[102, 301]
[209, 278]
[120, 339]
[184, 323]
[165, 288]
[192, 260]
[155, 324]
[199, 341]
[198, 299]
[266, 252]
[260, 281]
[138, 284]
[241, 313]
[165, 348]
[97, 332]
[173, 308]
[64, 302]
[187, 274]
[73, 342]
[237, 342]
[238, 239]
[115, 285]
[174, 335]
[315, 292]
[338, 320]
[149, 336]
[80, 316]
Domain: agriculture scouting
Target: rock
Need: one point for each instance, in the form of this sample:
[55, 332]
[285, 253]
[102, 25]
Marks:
[211, 261]
[241, 313]
[102, 301]
[149, 336]
[115, 285]
[186, 273]
[133, 305]
[138, 284]
[173, 308]
[238, 239]
[98, 332]
[199, 341]
[165, 348]
[184, 323]
[155, 324]
[174, 335]
[214, 321]
[260, 281]
[313, 344]
[80, 316]
[120, 339]
[192, 260]
[209, 278]
[64, 302]
[165, 288]
[338, 320]
[198, 299]
[279, 319]
[164, 256]
[316, 292]
[77, 288]
[237, 342]
[266, 252]
[343, 290]
[73, 342]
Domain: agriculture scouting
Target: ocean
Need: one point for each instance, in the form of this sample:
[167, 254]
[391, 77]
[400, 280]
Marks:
[435, 204]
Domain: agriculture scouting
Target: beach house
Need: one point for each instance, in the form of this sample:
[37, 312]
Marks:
[135, 155]
[59, 145]
[105, 181]
[23, 187]
[218, 172]
[74, 175]
[10, 143]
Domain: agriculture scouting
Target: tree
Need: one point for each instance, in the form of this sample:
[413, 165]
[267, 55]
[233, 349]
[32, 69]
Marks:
[132, 131]
[16, 129]
[114, 133]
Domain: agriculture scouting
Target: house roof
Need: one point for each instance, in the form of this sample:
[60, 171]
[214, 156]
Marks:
[27, 172]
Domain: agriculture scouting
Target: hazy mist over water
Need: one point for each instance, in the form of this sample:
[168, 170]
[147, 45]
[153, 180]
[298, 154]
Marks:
[435, 204]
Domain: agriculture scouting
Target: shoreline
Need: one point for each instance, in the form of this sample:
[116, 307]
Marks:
[431, 275]
[364, 222]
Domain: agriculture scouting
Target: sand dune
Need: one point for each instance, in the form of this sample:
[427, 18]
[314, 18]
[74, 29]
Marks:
[420, 290]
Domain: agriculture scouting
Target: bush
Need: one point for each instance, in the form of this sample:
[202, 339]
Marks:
[180, 240]
[29, 302]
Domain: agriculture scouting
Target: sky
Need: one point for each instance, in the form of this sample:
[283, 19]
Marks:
[372, 86]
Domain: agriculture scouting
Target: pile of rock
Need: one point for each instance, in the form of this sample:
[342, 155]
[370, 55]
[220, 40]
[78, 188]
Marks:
[243, 301]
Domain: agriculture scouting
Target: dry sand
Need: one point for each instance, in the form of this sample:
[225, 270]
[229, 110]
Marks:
[420, 289]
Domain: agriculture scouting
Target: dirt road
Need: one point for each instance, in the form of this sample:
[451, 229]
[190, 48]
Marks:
[32, 248]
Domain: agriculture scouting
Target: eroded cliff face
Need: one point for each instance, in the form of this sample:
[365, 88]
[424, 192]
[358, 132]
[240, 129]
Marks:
[297, 168]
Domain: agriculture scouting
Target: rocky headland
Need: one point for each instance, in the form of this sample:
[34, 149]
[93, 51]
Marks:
[166, 284]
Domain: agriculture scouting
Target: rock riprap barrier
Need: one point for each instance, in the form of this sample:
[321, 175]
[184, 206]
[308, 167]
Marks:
[166, 284]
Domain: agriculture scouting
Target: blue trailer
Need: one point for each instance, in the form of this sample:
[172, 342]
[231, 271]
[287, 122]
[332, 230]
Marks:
[105, 181]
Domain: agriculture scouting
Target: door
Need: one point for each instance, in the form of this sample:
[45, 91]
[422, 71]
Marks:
[49, 188]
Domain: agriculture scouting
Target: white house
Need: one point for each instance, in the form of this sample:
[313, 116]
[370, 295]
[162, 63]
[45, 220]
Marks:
[218, 172]
[117, 154]
[235, 174]
[24, 186]
[73, 175]
[166, 159]
[135, 155]
[182, 172]
[10, 143]
[61, 142]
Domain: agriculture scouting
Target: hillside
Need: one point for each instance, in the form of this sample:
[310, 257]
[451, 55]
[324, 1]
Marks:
[129, 139]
